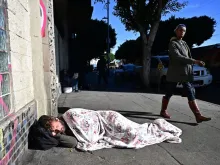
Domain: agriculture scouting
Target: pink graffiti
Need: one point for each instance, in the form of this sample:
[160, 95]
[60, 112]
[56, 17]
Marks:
[44, 18]
[9, 67]
[5, 107]
[5, 159]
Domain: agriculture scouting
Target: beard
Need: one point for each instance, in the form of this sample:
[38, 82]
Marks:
[64, 127]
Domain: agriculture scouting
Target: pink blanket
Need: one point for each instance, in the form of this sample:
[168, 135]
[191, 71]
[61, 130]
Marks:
[106, 129]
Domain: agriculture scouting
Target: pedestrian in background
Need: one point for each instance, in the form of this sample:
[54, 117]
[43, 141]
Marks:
[101, 67]
[75, 82]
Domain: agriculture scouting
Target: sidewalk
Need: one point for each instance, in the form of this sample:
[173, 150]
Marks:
[200, 144]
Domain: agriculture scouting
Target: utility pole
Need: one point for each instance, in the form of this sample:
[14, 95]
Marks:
[108, 39]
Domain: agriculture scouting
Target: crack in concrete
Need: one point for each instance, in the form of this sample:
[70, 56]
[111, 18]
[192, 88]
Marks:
[138, 105]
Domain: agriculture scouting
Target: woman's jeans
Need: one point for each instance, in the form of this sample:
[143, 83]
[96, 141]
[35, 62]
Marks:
[187, 87]
[75, 84]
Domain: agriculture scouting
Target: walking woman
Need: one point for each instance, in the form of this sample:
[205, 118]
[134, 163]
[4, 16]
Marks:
[180, 70]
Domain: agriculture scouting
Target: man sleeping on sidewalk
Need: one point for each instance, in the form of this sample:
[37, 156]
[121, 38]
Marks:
[89, 130]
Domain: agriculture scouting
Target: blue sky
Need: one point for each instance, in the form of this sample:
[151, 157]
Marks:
[194, 8]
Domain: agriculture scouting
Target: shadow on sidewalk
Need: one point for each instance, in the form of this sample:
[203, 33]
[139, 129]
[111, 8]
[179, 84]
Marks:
[132, 114]
[62, 110]
[145, 115]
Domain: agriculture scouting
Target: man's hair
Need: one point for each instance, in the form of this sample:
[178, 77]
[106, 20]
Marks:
[45, 121]
[178, 26]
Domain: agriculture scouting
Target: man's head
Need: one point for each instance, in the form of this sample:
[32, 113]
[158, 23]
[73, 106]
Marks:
[180, 31]
[54, 124]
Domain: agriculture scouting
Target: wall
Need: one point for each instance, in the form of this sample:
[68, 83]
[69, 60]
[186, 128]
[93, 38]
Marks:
[14, 134]
[49, 58]
[24, 39]
[30, 76]
[61, 51]
[20, 50]
[61, 35]
[34, 82]
[40, 94]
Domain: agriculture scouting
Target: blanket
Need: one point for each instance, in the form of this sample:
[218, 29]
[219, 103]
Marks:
[106, 129]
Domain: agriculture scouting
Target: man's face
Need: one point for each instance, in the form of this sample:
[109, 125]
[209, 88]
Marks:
[57, 126]
[180, 32]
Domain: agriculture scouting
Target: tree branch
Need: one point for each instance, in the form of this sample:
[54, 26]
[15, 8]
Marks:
[159, 10]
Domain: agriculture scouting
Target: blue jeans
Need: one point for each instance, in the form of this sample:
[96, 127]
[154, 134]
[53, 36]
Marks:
[75, 84]
[187, 87]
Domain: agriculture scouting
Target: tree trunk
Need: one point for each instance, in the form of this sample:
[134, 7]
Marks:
[147, 46]
[148, 43]
[146, 62]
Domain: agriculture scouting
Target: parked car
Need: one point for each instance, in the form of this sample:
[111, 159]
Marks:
[126, 69]
[202, 76]
[129, 67]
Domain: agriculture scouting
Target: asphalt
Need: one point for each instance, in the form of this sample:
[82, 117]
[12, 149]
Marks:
[200, 144]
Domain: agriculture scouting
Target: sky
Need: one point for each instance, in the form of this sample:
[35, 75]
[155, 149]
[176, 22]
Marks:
[194, 8]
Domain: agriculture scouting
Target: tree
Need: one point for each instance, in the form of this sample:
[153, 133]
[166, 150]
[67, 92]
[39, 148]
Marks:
[199, 29]
[111, 57]
[144, 16]
[92, 41]
[129, 50]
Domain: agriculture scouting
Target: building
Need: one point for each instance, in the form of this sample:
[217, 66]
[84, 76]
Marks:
[35, 45]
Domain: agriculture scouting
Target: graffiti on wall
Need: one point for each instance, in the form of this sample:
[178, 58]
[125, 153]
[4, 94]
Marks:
[14, 131]
[43, 15]
[14, 135]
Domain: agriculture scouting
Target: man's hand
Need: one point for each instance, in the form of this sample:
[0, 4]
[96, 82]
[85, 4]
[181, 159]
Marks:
[200, 63]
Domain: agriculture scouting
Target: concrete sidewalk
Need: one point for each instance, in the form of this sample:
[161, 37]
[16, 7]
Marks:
[200, 142]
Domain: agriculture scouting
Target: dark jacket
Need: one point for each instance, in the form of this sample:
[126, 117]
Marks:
[101, 65]
[40, 138]
[180, 67]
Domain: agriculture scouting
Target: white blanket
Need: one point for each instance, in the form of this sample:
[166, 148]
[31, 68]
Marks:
[106, 129]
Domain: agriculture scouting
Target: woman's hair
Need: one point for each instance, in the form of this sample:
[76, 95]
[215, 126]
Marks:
[45, 121]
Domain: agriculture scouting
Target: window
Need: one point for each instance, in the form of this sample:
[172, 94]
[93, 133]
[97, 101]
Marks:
[5, 98]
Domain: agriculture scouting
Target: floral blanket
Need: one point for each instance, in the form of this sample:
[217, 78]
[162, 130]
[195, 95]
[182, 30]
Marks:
[106, 129]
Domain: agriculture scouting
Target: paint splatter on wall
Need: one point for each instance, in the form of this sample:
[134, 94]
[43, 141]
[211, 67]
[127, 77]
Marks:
[43, 15]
